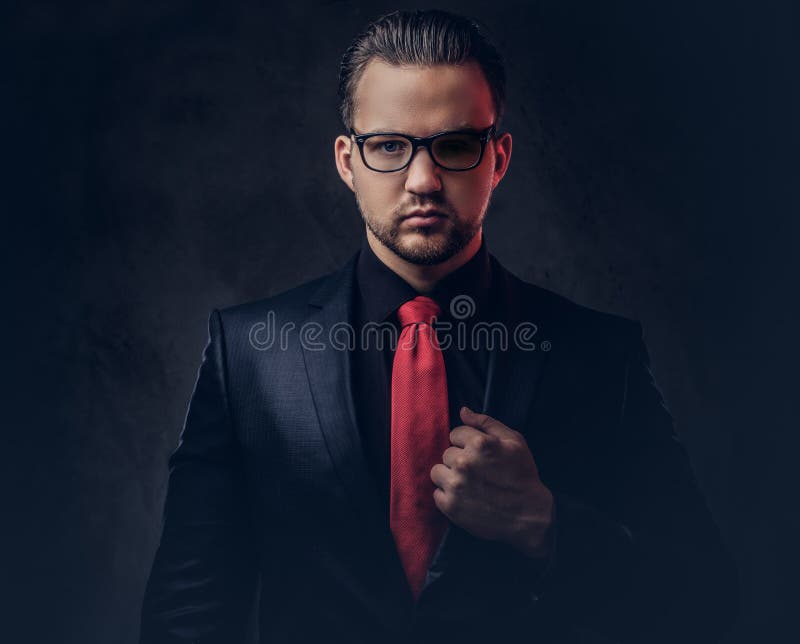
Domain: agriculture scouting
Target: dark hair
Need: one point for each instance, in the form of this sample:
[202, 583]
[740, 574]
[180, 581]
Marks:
[423, 38]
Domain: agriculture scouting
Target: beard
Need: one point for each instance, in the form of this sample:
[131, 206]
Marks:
[425, 246]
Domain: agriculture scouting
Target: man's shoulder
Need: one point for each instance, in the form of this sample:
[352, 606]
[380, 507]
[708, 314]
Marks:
[291, 304]
[567, 319]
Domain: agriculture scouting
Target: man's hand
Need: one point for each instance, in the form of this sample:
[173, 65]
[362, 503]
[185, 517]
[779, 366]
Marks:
[488, 484]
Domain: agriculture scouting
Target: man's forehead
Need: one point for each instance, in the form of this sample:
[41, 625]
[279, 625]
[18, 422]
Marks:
[422, 100]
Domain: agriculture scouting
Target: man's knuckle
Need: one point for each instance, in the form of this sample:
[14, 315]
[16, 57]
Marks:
[485, 444]
[458, 484]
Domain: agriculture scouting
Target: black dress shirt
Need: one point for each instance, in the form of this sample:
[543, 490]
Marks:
[463, 297]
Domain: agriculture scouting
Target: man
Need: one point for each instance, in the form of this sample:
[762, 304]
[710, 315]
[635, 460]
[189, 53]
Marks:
[525, 485]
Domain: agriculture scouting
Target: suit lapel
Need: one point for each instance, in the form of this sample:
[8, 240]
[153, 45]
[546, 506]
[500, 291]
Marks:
[330, 379]
[514, 375]
[329, 376]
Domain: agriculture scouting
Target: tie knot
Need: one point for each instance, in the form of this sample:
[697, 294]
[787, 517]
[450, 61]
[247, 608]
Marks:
[420, 309]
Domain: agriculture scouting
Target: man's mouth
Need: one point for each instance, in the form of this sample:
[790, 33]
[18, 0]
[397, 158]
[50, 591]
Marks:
[423, 217]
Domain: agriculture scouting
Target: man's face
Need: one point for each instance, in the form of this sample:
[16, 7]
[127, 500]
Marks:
[421, 101]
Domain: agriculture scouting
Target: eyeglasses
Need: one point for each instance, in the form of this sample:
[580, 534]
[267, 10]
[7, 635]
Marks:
[457, 150]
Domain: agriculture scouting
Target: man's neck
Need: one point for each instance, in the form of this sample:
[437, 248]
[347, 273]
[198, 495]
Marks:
[424, 278]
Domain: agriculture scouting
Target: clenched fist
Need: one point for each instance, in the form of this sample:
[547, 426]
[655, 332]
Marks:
[488, 484]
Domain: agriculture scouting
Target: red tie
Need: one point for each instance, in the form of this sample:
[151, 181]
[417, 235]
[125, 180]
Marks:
[420, 435]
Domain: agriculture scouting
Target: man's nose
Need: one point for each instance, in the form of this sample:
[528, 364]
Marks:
[423, 173]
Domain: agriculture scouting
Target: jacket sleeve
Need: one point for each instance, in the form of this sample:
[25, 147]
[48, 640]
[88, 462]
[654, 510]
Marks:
[650, 567]
[202, 584]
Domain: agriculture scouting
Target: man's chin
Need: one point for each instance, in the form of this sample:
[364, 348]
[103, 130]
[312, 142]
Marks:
[422, 245]
[425, 249]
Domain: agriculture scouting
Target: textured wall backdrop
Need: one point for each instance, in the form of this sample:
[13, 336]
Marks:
[162, 161]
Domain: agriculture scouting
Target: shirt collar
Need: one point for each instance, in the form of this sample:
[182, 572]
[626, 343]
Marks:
[383, 291]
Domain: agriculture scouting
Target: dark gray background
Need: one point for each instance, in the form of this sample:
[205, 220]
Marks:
[163, 161]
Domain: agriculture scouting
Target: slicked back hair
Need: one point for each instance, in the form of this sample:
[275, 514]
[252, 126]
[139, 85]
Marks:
[421, 38]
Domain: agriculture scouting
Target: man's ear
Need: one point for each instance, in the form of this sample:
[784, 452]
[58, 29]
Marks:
[502, 156]
[342, 148]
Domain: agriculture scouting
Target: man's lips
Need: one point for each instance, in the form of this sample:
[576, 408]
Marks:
[423, 217]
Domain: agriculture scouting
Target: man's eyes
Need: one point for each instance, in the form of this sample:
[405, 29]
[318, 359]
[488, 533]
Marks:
[386, 146]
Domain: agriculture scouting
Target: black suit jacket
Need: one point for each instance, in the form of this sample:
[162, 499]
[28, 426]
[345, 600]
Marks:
[269, 487]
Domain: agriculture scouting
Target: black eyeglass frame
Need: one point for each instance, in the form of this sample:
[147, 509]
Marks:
[425, 142]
